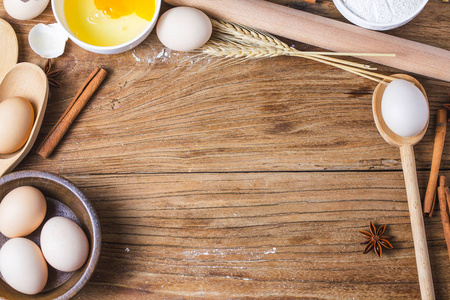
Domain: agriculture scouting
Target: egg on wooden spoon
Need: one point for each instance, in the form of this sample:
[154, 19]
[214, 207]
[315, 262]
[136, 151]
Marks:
[404, 108]
[16, 122]
[25, 81]
[400, 111]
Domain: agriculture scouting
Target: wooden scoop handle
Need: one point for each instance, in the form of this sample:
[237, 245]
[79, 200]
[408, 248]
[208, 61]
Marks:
[417, 226]
[328, 34]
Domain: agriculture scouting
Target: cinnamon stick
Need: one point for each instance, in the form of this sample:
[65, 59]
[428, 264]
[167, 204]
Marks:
[447, 195]
[432, 207]
[79, 101]
[444, 195]
[441, 130]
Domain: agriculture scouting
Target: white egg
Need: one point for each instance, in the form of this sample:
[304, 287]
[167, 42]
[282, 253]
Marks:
[48, 41]
[25, 9]
[404, 108]
[22, 266]
[184, 28]
[64, 244]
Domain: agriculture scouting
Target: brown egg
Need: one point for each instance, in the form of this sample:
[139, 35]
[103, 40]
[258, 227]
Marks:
[16, 122]
[22, 210]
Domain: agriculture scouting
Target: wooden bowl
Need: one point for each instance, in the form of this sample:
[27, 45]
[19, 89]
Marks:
[63, 199]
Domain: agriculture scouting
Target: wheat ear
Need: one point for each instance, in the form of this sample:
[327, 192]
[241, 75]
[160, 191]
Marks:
[249, 36]
[236, 41]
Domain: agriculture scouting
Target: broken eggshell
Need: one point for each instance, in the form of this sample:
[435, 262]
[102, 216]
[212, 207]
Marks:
[25, 9]
[48, 41]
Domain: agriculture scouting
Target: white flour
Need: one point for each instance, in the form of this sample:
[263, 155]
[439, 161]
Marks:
[383, 11]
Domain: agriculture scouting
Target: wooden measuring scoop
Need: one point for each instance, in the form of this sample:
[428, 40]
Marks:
[412, 188]
[9, 49]
[30, 82]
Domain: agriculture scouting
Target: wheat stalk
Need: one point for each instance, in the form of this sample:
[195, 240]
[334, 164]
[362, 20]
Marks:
[231, 40]
[227, 31]
[236, 50]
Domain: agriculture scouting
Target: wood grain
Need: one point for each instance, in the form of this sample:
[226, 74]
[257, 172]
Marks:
[256, 235]
[291, 120]
[218, 179]
[279, 114]
[9, 50]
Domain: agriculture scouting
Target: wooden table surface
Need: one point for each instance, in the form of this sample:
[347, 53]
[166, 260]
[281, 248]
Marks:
[245, 179]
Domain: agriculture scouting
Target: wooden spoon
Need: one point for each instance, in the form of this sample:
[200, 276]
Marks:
[412, 188]
[30, 82]
[9, 49]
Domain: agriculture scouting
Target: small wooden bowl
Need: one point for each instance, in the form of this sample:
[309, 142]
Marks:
[63, 199]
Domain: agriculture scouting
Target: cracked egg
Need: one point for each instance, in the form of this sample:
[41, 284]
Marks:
[25, 9]
[48, 41]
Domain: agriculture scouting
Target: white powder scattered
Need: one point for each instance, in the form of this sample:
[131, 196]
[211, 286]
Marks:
[383, 11]
[161, 54]
[274, 250]
[135, 56]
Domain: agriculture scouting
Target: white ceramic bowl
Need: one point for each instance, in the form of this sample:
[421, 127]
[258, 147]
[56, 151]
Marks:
[349, 15]
[58, 12]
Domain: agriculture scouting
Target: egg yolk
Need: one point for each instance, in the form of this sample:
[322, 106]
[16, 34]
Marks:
[108, 22]
[119, 8]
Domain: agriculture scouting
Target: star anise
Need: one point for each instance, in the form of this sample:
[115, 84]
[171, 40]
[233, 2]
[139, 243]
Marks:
[52, 74]
[376, 240]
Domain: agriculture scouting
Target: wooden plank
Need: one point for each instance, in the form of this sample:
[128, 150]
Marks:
[277, 114]
[256, 235]
[175, 112]
[224, 180]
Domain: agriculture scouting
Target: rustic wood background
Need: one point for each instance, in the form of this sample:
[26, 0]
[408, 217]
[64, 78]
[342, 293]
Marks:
[241, 180]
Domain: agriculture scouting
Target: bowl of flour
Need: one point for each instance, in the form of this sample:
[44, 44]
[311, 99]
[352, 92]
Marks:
[380, 14]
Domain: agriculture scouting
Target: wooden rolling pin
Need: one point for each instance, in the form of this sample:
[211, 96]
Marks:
[328, 34]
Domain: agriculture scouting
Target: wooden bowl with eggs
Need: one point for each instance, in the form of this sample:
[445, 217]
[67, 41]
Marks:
[63, 199]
